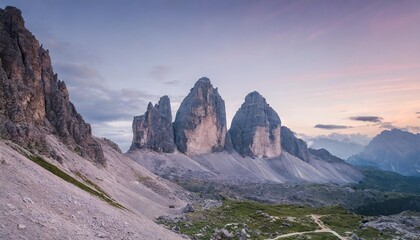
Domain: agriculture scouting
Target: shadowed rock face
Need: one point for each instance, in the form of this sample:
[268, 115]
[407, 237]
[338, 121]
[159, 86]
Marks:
[392, 150]
[255, 129]
[323, 154]
[153, 130]
[293, 145]
[33, 102]
[200, 123]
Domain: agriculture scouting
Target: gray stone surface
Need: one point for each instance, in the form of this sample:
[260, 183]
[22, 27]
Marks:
[200, 123]
[33, 102]
[323, 154]
[153, 130]
[255, 129]
[392, 150]
[293, 145]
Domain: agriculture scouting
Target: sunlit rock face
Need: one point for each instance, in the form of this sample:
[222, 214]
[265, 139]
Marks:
[255, 129]
[33, 101]
[200, 123]
[153, 130]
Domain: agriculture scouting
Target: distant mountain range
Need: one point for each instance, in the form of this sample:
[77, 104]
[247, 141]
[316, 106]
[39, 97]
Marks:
[340, 145]
[392, 150]
[343, 149]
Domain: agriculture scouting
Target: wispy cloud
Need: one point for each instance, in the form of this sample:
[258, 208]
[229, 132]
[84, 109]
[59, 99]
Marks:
[95, 100]
[160, 72]
[75, 71]
[357, 71]
[172, 82]
[118, 131]
[387, 125]
[415, 129]
[366, 118]
[338, 22]
[331, 126]
[371, 87]
[395, 17]
[355, 137]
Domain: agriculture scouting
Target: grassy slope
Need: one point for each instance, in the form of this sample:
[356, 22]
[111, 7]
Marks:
[95, 191]
[284, 219]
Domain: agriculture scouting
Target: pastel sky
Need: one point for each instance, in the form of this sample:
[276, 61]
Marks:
[325, 66]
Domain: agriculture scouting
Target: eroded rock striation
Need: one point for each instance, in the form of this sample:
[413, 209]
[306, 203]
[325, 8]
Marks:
[33, 102]
[255, 129]
[293, 145]
[200, 123]
[153, 130]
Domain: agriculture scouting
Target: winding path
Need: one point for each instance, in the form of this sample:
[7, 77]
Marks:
[324, 229]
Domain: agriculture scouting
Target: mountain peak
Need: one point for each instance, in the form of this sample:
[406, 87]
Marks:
[392, 150]
[200, 123]
[36, 102]
[255, 97]
[153, 130]
[204, 81]
[255, 129]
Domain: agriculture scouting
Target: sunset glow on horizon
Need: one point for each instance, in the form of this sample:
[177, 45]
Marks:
[342, 66]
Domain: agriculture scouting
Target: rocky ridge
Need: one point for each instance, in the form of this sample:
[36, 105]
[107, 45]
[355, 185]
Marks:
[324, 155]
[255, 129]
[293, 145]
[153, 130]
[392, 150]
[49, 189]
[200, 128]
[33, 101]
[264, 150]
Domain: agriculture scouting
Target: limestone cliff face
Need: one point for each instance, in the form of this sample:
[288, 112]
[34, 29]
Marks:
[255, 129]
[33, 102]
[200, 123]
[293, 145]
[153, 130]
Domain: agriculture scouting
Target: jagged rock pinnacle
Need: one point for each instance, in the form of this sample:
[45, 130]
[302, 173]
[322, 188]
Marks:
[200, 123]
[153, 130]
[255, 129]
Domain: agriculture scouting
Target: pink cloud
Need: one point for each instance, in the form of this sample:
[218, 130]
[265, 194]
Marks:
[336, 23]
[395, 18]
[356, 70]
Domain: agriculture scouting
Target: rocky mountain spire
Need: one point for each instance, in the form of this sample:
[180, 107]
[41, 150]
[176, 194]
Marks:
[33, 102]
[153, 130]
[255, 129]
[200, 123]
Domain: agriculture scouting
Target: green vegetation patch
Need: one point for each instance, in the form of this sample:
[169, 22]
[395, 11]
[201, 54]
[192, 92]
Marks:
[372, 233]
[312, 236]
[388, 181]
[66, 177]
[342, 223]
[267, 221]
